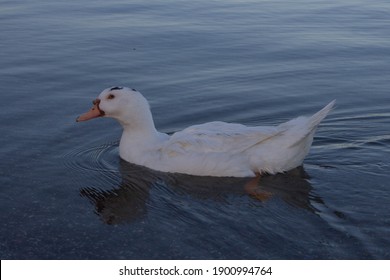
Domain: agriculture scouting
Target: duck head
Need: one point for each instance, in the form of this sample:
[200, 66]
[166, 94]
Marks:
[126, 105]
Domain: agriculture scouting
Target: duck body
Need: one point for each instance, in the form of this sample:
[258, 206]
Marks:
[209, 149]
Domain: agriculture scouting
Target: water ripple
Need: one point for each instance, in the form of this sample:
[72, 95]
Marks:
[101, 159]
[98, 158]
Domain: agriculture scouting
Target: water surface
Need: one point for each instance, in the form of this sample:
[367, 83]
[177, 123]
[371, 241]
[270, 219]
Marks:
[64, 192]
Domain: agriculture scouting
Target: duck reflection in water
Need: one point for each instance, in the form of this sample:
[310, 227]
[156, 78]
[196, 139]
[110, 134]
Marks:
[130, 200]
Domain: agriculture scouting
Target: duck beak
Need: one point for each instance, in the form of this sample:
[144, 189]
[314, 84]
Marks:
[94, 112]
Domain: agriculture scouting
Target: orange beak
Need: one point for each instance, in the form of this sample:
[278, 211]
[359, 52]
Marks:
[94, 112]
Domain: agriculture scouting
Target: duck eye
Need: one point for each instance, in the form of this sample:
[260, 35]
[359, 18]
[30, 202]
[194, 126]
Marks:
[111, 96]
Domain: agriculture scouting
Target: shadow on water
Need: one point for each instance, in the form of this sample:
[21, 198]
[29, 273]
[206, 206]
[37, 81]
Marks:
[129, 201]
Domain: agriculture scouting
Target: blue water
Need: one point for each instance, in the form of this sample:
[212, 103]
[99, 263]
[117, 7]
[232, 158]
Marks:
[64, 193]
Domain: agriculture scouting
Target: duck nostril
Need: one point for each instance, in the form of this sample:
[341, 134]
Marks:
[96, 101]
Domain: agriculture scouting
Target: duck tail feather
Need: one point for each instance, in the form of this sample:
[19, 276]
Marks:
[320, 115]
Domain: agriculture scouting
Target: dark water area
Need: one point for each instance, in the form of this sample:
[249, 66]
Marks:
[64, 192]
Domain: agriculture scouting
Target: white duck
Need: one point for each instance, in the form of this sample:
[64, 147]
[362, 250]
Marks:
[210, 149]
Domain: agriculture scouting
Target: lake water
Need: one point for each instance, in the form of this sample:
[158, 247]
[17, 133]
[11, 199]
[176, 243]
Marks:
[64, 193]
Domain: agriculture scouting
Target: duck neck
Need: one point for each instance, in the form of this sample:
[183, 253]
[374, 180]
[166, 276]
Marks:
[140, 131]
[136, 141]
[145, 130]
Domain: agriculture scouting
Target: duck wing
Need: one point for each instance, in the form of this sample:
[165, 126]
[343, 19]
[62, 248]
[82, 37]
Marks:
[218, 137]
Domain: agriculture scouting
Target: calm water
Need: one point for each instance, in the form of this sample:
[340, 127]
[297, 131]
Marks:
[64, 193]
